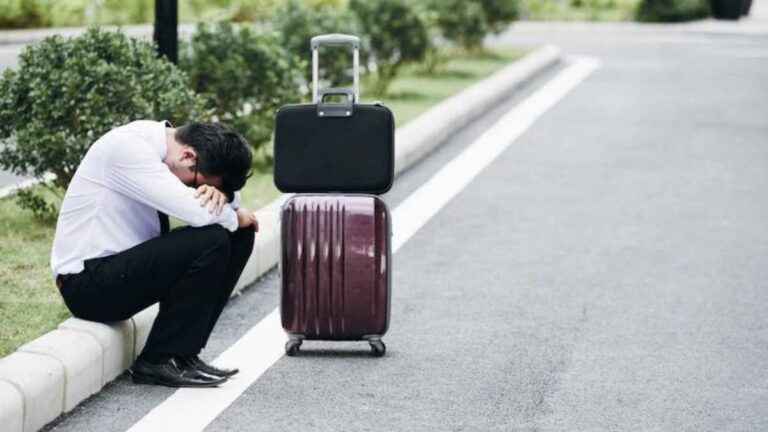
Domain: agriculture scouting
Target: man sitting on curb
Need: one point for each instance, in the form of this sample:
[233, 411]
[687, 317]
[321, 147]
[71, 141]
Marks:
[113, 254]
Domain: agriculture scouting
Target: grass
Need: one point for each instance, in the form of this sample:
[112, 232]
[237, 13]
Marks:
[579, 10]
[416, 91]
[30, 304]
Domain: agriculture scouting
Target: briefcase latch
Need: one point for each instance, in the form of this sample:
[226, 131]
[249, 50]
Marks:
[336, 109]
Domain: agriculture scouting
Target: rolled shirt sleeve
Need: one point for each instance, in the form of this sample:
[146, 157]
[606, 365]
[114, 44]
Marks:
[141, 175]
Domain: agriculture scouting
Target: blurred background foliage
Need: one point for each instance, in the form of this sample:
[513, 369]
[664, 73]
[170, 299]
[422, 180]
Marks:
[672, 10]
[245, 60]
[579, 10]
[95, 81]
[296, 21]
[244, 74]
[65, 13]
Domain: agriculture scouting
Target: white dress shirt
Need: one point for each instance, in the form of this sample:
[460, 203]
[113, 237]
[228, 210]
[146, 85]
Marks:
[112, 202]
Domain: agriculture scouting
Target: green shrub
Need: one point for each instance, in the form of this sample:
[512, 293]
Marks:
[396, 35]
[43, 210]
[241, 10]
[56, 13]
[244, 75]
[73, 13]
[467, 22]
[461, 21]
[297, 23]
[500, 13]
[122, 12]
[338, 4]
[579, 10]
[66, 93]
[23, 14]
[672, 10]
[437, 53]
[247, 10]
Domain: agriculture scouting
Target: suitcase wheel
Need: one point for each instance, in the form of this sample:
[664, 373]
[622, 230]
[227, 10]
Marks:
[292, 347]
[377, 347]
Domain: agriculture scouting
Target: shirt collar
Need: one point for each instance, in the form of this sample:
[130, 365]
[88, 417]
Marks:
[163, 139]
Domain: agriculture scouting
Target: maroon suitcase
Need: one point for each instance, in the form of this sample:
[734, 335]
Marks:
[335, 269]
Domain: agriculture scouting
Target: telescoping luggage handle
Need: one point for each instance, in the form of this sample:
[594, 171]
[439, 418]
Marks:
[335, 39]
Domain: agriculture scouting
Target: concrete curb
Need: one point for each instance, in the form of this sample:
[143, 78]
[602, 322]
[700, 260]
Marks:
[52, 374]
[420, 136]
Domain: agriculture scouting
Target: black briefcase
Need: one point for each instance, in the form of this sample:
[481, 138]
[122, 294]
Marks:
[336, 146]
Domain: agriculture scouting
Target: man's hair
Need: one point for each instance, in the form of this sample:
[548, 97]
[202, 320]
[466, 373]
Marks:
[220, 152]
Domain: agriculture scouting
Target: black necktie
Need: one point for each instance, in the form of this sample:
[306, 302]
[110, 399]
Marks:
[165, 224]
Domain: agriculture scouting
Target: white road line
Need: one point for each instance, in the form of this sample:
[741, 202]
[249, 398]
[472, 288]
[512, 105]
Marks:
[192, 410]
[421, 205]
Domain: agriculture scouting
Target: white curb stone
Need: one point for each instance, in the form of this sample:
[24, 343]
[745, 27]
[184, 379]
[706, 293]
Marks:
[11, 408]
[116, 340]
[80, 355]
[266, 246]
[142, 324]
[269, 249]
[40, 379]
[269, 246]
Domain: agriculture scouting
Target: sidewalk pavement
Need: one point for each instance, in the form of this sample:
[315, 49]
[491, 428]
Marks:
[750, 25]
[756, 23]
[54, 373]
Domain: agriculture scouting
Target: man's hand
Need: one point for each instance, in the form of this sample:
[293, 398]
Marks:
[211, 196]
[246, 218]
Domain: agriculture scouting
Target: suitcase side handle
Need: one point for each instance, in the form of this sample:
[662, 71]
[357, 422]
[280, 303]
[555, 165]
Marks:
[336, 39]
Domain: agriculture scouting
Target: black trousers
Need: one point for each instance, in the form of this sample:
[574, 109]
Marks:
[190, 271]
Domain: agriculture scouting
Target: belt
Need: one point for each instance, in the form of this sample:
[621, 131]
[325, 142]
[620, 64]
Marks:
[60, 279]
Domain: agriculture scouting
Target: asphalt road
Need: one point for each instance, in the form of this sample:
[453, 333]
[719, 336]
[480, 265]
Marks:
[607, 272]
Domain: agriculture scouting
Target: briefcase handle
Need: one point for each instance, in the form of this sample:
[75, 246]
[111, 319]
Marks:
[343, 109]
[336, 39]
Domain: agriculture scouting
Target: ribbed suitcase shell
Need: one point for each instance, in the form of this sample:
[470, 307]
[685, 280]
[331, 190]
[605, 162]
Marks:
[335, 266]
[334, 154]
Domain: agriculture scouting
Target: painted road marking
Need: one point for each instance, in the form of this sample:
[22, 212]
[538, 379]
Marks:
[192, 410]
[421, 205]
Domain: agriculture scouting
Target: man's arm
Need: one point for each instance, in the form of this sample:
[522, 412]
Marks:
[140, 175]
[214, 199]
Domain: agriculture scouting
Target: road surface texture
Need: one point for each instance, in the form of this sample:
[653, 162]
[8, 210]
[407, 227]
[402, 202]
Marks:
[607, 272]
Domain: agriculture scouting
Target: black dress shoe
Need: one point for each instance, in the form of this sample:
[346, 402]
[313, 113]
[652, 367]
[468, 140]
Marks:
[171, 374]
[196, 363]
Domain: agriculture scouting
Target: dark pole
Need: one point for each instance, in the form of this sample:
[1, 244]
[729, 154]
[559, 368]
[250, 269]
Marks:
[166, 34]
